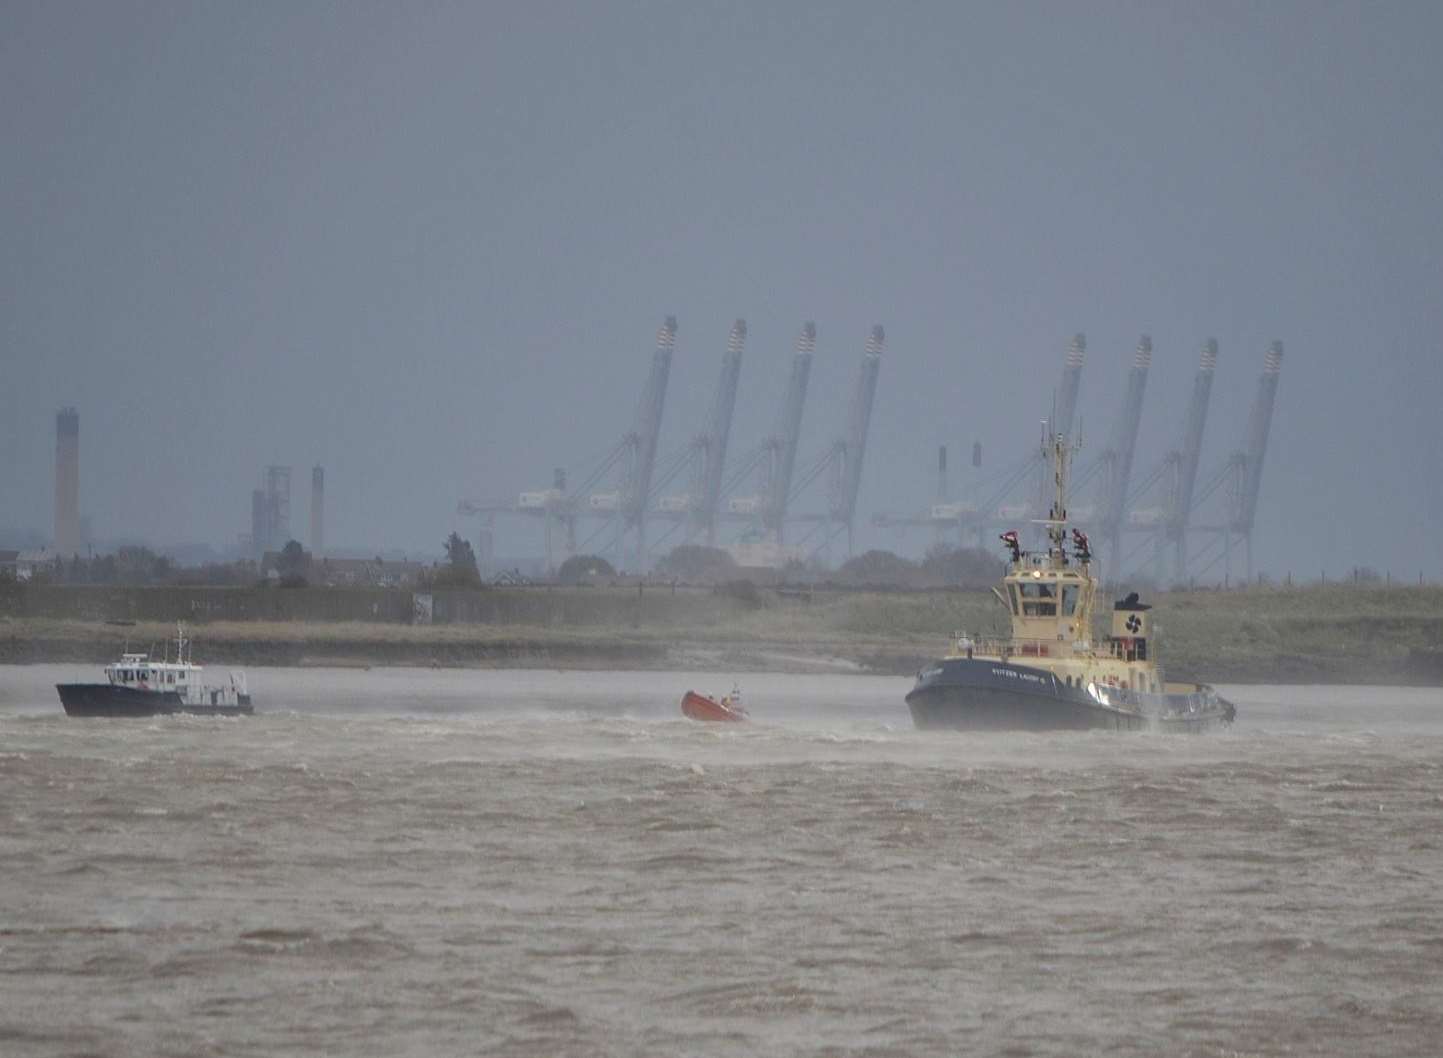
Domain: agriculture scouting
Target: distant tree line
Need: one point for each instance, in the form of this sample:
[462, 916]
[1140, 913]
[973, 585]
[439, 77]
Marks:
[943, 566]
[137, 565]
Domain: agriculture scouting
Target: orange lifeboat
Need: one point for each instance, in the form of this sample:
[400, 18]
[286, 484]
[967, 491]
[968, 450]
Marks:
[699, 707]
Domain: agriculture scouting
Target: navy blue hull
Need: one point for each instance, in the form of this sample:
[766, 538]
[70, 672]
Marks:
[110, 700]
[975, 694]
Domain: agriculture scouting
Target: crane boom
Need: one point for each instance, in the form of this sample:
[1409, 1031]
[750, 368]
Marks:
[1259, 423]
[782, 445]
[853, 445]
[1123, 446]
[719, 432]
[644, 436]
[1189, 455]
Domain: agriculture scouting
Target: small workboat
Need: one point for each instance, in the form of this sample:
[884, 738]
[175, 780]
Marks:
[140, 685]
[727, 709]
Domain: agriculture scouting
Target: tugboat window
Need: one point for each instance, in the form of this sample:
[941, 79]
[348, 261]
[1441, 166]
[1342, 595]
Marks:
[1069, 599]
[1037, 590]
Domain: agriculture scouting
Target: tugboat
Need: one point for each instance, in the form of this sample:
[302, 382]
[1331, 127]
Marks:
[138, 685]
[1050, 675]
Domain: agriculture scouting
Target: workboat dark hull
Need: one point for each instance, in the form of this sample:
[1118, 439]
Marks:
[974, 694]
[105, 699]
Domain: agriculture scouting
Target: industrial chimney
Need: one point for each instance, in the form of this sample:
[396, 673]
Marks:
[67, 482]
[318, 509]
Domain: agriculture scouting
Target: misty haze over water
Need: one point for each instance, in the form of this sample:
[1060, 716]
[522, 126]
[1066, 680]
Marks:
[407, 861]
[428, 248]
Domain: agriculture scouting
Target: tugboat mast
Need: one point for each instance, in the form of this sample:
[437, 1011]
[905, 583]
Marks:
[1059, 453]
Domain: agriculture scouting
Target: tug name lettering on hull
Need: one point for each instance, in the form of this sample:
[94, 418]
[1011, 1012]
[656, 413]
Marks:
[1013, 674]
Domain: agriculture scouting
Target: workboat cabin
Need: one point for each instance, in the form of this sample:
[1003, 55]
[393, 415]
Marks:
[138, 671]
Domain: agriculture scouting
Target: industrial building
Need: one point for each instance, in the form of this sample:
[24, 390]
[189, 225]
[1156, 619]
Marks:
[271, 512]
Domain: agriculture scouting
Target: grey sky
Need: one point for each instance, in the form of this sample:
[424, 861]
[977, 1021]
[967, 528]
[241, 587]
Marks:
[428, 245]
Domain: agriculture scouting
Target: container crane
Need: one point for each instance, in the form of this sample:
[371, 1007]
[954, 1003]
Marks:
[641, 441]
[713, 444]
[1118, 457]
[1187, 457]
[1259, 425]
[851, 449]
[1063, 411]
[1242, 475]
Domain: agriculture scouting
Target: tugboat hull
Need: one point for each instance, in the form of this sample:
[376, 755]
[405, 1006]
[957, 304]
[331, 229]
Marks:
[109, 700]
[975, 694]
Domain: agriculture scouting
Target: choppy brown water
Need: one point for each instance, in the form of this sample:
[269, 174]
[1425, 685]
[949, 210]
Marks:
[404, 862]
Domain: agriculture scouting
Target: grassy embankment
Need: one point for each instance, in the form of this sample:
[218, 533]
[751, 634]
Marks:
[1313, 634]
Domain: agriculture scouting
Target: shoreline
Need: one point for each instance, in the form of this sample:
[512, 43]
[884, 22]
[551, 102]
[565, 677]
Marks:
[497, 651]
[1307, 635]
[312, 645]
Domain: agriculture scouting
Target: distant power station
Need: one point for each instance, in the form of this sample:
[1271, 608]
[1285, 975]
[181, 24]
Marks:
[271, 512]
[1164, 510]
[67, 482]
[637, 497]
